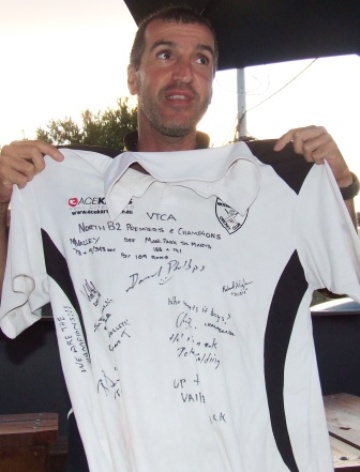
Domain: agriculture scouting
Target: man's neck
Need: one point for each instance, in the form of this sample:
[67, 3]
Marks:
[202, 141]
[154, 142]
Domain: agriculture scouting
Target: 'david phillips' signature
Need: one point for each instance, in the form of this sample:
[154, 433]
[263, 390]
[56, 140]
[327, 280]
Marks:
[165, 272]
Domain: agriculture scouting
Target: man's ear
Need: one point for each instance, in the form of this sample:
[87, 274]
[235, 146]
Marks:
[132, 80]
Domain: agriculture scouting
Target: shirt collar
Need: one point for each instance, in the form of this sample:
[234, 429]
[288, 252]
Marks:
[229, 173]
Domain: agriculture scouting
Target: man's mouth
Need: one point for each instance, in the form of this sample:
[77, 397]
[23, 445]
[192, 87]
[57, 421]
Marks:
[179, 100]
[177, 97]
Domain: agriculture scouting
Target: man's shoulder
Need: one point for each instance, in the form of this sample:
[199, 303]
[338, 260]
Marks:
[291, 167]
[110, 152]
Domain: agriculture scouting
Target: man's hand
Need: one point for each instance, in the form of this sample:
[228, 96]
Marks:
[20, 161]
[316, 145]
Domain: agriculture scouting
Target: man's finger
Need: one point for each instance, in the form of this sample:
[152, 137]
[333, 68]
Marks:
[30, 149]
[284, 140]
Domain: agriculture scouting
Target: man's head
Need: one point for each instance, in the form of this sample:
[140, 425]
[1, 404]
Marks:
[176, 14]
[172, 64]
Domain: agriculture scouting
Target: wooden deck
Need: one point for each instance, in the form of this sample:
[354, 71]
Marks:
[29, 442]
[25, 441]
[343, 419]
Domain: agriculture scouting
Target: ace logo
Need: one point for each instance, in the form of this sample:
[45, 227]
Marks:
[87, 201]
[73, 202]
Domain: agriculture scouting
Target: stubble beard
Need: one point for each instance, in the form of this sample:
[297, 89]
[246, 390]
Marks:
[170, 127]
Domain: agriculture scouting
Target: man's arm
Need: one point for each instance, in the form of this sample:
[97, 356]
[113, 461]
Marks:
[317, 145]
[19, 162]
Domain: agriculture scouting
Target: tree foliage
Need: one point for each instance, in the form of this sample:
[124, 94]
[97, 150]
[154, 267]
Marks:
[103, 129]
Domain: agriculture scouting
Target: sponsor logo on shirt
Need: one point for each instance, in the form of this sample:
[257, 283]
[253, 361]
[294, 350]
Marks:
[93, 205]
[74, 201]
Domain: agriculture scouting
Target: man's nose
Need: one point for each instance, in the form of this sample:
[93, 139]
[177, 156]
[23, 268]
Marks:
[183, 70]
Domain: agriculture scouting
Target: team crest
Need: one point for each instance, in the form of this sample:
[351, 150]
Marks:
[229, 218]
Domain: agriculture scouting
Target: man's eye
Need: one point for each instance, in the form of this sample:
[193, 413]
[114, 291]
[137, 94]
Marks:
[164, 55]
[203, 60]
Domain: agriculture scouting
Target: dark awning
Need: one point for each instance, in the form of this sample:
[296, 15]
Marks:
[253, 32]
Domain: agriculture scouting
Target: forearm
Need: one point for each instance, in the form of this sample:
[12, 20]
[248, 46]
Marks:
[3, 240]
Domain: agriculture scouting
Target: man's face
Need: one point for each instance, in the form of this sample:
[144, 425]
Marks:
[174, 80]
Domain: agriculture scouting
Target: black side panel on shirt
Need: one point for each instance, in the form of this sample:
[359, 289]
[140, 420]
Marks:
[57, 269]
[282, 315]
[291, 167]
[76, 460]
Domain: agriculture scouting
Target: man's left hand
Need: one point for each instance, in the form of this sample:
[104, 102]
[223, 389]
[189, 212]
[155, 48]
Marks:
[317, 145]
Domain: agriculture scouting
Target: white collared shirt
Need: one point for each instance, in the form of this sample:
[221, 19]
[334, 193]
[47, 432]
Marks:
[163, 286]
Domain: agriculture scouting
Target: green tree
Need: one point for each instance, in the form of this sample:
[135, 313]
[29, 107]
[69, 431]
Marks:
[104, 129]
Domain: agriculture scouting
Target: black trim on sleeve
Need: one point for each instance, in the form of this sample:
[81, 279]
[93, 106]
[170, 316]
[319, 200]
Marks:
[351, 191]
[291, 167]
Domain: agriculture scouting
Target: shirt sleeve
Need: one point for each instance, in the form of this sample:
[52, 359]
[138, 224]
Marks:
[25, 288]
[328, 244]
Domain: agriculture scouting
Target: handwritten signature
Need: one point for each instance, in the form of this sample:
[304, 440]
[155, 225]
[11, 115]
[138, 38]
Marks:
[238, 286]
[165, 272]
[91, 292]
[110, 386]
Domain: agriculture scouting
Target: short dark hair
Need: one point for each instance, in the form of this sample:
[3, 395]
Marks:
[179, 14]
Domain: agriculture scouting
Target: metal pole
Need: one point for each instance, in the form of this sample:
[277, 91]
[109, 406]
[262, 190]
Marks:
[240, 74]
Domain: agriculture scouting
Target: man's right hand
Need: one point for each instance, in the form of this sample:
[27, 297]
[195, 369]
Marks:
[20, 161]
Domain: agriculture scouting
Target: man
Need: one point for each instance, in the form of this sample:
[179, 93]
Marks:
[180, 304]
